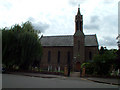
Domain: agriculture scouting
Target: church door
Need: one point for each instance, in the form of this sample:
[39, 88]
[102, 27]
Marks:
[77, 66]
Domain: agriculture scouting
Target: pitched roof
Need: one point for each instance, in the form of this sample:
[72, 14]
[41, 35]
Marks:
[57, 40]
[91, 40]
[67, 40]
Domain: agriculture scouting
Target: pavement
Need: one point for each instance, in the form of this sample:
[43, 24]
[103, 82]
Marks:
[113, 81]
[35, 75]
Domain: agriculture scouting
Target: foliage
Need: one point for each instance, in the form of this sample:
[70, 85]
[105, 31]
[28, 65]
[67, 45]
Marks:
[118, 60]
[89, 67]
[102, 63]
[21, 46]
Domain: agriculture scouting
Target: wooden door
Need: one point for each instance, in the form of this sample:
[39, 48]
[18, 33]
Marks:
[78, 66]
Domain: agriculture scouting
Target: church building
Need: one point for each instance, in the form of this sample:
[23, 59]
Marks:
[68, 50]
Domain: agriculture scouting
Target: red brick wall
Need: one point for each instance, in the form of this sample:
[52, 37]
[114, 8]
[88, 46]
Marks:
[63, 55]
[81, 51]
[54, 56]
[92, 49]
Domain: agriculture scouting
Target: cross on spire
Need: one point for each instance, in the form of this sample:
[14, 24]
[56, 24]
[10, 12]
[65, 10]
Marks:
[78, 5]
[78, 8]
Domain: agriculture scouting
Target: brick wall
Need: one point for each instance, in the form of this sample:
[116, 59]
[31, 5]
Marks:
[79, 54]
[92, 49]
[54, 57]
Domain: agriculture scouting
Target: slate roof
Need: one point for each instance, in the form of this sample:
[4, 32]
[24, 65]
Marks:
[91, 40]
[67, 40]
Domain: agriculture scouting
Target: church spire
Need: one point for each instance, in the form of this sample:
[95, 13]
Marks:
[78, 9]
[79, 21]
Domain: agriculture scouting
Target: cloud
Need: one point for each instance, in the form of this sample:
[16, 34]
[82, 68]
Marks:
[108, 41]
[108, 1]
[76, 2]
[119, 17]
[31, 19]
[6, 4]
[38, 25]
[93, 23]
[111, 21]
[91, 26]
[94, 19]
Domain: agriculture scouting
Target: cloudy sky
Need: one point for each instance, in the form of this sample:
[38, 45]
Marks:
[56, 17]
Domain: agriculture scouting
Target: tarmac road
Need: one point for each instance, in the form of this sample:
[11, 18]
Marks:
[0, 81]
[18, 81]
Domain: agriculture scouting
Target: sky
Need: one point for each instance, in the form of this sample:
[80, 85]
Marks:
[57, 17]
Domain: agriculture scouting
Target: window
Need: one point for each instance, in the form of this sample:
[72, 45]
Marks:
[78, 46]
[68, 58]
[58, 57]
[49, 56]
[77, 25]
[90, 55]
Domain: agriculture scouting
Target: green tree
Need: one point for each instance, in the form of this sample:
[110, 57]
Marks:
[89, 67]
[21, 46]
[104, 61]
[118, 59]
[8, 47]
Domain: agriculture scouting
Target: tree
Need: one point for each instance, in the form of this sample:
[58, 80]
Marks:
[103, 61]
[118, 59]
[89, 67]
[21, 46]
[8, 47]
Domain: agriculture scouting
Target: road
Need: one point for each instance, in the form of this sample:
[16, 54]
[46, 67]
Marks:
[18, 81]
[0, 81]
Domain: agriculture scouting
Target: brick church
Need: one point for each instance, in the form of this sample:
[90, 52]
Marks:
[68, 50]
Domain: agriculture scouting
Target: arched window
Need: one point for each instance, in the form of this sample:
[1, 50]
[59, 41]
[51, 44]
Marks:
[49, 56]
[77, 25]
[78, 46]
[68, 58]
[58, 57]
[90, 55]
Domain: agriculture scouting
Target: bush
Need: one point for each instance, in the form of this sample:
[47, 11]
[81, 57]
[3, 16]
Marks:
[89, 67]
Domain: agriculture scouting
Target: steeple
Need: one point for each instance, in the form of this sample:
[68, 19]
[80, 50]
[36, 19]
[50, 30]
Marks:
[79, 40]
[79, 21]
[78, 13]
